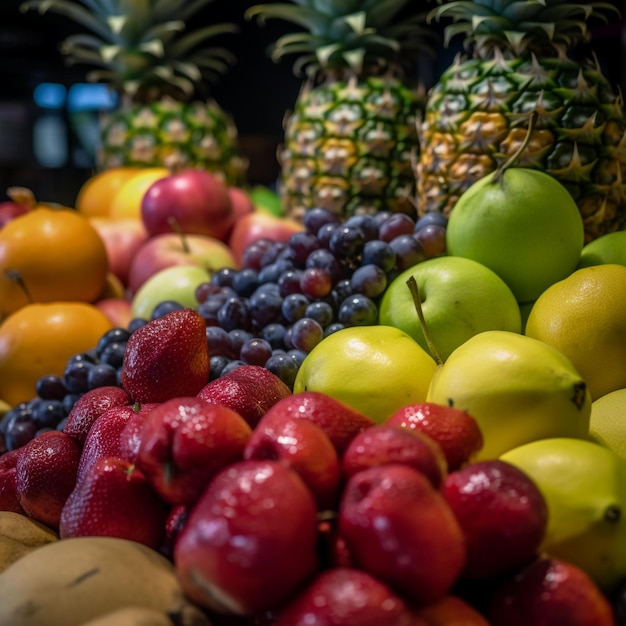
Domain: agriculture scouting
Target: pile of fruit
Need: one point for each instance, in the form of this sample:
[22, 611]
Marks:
[390, 393]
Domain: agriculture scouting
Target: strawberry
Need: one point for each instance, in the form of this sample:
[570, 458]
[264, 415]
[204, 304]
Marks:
[167, 357]
[9, 499]
[114, 499]
[46, 475]
[456, 431]
[90, 406]
[249, 389]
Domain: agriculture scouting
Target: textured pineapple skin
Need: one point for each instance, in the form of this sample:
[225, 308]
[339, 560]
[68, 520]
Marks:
[477, 116]
[350, 146]
[174, 134]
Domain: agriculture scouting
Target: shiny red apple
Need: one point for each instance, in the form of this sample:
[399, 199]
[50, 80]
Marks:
[10, 210]
[241, 201]
[196, 200]
[169, 249]
[118, 310]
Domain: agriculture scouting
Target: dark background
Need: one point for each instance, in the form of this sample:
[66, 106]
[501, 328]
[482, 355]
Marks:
[256, 91]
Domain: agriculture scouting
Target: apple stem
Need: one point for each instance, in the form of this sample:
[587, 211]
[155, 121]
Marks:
[532, 122]
[23, 196]
[417, 301]
[16, 277]
[180, 232]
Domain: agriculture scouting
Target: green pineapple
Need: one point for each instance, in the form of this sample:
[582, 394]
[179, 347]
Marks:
[522, 60]
[145, 53]
[351, 140]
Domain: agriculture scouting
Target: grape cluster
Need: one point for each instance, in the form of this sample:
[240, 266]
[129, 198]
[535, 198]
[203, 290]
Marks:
[285, 298]
[288, 296]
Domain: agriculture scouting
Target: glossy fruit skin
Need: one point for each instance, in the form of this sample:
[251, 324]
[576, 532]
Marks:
[96, 193]
[46, 475]
[58, 254]
[399, 528]
[229, 555]
[167, 357]
[53, 332]
[502, 513]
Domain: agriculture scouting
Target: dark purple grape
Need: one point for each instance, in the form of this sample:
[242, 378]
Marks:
[252, 256]
[315, 283]
[69, 401]
[301, 245]
[333, 328]
[102, 375]
[231, 365]
[294, 306]
[234, 314]
[327, 261]
[265, 306]
[219, 341]
[358, 310]
[305, 334]
[379, 253]
[317, 217]
[165, 307]
[115, 335]
[297, 355]
[217, 363]
[136, 323]
[395, 225]
[346, 243]
[432, 217]
[48, 413]
[255, 351]
[245, 282]
[325, 233]
[50, 387]
[283, 366]
[20, 429]
[289, 282]
[342, 290]
[273, 252]
[366, 223]
[408, 251]
[270, 273]
[321, 312]
[113, 354]
[432, 238]
[274, 334]
[223, 277]
[75, 376]
[238, 337]
[369, 280]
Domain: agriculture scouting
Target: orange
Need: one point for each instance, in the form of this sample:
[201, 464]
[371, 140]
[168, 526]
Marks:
[584, 316]
[96, 194]
[39, 339]
[57, 253]
[126, 202]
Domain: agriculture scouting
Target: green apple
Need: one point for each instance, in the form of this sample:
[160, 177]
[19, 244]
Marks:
[523, 224]
[459, 297]
[608, 248]
[177, 283]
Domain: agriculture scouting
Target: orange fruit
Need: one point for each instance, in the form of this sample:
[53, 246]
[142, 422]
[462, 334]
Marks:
[96, 194]
[126, 202]
[584, 316]
[40, 338]
[57, 253]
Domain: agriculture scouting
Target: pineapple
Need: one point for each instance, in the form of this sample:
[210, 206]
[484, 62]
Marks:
[351, 140]
[144, 52]
[523, 60]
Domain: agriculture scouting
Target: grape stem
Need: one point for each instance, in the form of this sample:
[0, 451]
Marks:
[417, 301]
[532, 122]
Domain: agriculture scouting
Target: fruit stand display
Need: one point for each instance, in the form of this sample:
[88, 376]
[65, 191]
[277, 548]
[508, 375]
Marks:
[391, 392]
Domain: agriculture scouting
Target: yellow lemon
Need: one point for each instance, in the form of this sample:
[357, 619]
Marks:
[584, 316]
[607, 422]
[126, 201]
[374, 369]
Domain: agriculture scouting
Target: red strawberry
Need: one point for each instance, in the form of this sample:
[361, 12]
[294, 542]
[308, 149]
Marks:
[114, 499]
[167, 357]
[90, 406]
[46, 475]
[249, 389]
[9, 499]
[339, 421]
[456, 431]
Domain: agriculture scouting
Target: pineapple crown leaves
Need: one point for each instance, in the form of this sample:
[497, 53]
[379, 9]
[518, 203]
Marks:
[141, 46]
[519, 25]
[342, 35]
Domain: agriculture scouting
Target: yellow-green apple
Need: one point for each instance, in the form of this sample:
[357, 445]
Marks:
[258, 225]
[386, 443]
[250, 542]
[177, 283]
[346, 595]
[399, 528]
[185, 441]
[169, 249]
[118, 310]
[266, 200]
[459, 298]
[195, 199]
[302, 446]
[502, 513]
[608, 248]
[122, 238]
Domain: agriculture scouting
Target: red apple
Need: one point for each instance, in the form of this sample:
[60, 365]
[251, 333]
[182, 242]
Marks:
[241, 201]
[169, 249]
[196, 200]
[122, 238]
[250, 541]
[258, 225]
[10, 210]
[118, 310]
